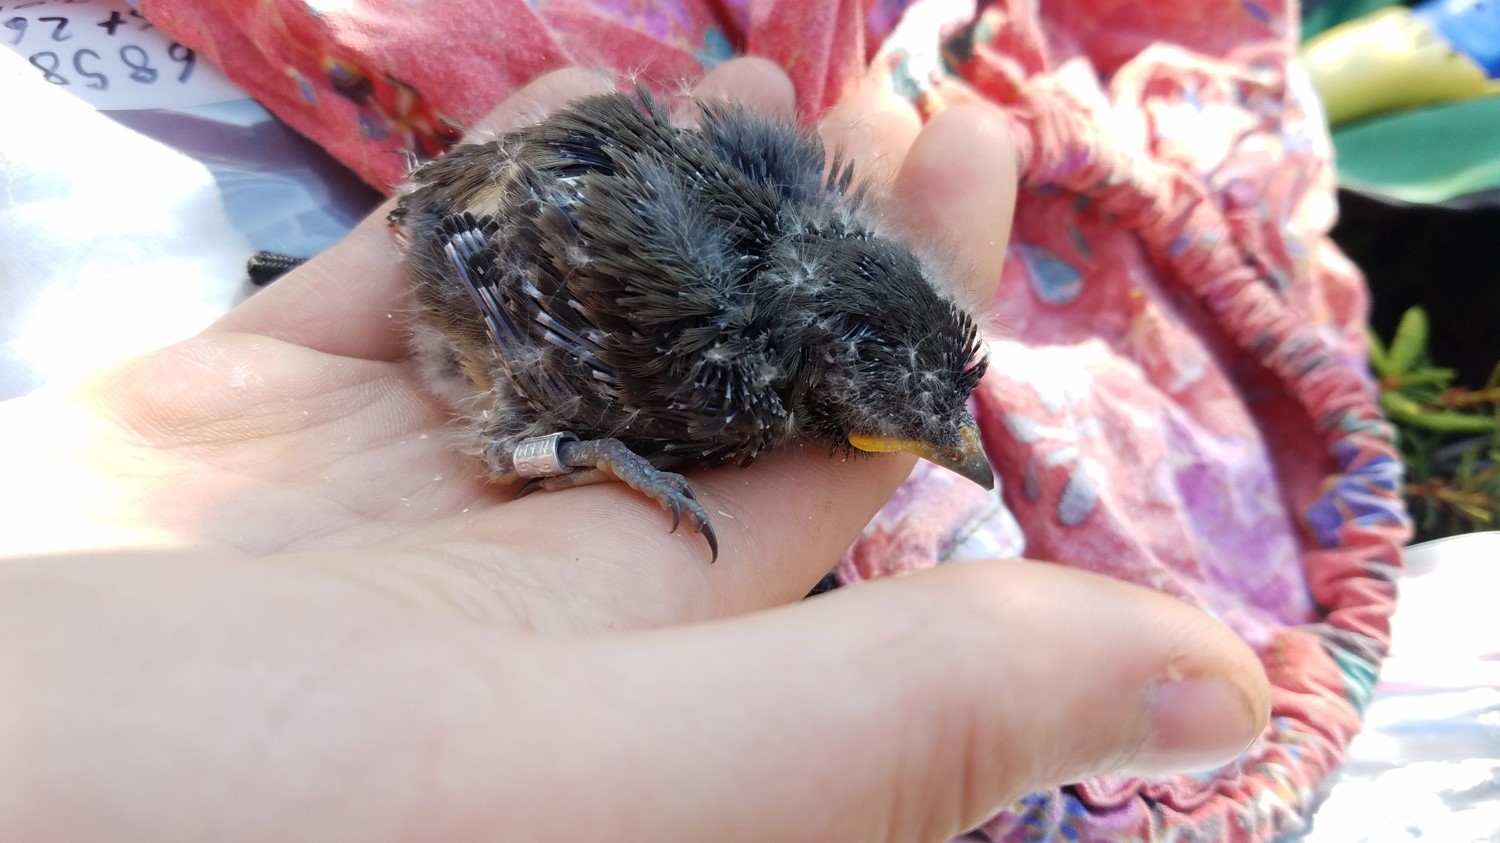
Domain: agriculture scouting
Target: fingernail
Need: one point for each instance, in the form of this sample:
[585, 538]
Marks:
[1196, 725]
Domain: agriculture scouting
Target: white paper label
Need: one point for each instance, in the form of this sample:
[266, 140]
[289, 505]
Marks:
[105, 53]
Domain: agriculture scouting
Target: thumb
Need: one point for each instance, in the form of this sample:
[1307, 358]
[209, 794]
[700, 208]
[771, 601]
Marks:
[913, 709]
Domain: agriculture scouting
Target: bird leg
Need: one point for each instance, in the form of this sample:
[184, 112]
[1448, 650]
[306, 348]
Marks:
[605, 460]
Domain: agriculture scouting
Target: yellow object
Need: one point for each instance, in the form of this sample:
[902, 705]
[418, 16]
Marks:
[1387, 61]
[968, 459]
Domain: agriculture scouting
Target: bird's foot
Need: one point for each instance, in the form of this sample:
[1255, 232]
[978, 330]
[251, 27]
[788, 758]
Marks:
[609, 459]
[558, 482]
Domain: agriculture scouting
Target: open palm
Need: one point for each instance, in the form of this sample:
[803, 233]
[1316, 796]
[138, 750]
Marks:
[258, 547]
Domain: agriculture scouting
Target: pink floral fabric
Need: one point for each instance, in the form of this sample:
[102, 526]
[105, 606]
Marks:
[1177, 394]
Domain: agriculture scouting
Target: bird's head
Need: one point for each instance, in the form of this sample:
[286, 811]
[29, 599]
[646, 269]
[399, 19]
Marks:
[895, 361]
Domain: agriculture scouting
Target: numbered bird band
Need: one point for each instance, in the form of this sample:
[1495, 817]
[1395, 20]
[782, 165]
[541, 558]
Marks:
[539, 457]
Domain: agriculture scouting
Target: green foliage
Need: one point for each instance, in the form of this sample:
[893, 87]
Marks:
[1449, 435]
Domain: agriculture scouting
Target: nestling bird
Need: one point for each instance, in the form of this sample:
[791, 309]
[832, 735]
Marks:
[605, 296]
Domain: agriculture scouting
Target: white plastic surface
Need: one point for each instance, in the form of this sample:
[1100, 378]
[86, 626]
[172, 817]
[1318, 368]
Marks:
[1427, 765]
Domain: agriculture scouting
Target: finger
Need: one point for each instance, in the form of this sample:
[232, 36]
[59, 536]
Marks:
[352, 299]
[873, 128]
[903, 710]
[755, 83]
[962, 212]
[899, 710]
[540, 97]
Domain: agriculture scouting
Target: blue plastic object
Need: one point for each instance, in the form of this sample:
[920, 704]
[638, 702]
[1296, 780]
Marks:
[1471, 26]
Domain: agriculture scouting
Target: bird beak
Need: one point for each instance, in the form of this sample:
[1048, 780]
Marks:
[967, 460]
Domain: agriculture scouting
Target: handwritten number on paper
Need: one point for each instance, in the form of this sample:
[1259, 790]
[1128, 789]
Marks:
[48, 62]
[88, 63]
[113, 22]
[57, 31]
[100, 81]
[140, 69]
[187, 57]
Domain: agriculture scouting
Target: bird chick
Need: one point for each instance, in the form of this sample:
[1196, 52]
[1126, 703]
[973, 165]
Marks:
[605, 296]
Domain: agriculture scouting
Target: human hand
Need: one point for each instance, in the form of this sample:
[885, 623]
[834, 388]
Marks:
[252, 595]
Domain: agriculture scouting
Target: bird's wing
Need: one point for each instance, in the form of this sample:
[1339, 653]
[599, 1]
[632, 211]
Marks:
[674, 249]
[516, 315]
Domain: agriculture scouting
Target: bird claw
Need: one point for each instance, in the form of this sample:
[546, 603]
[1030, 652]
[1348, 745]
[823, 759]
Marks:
[713, 542]
[609, 459]
[673, 493]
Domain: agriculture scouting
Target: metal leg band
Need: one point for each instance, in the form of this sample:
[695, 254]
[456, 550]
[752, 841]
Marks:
[538, 456]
